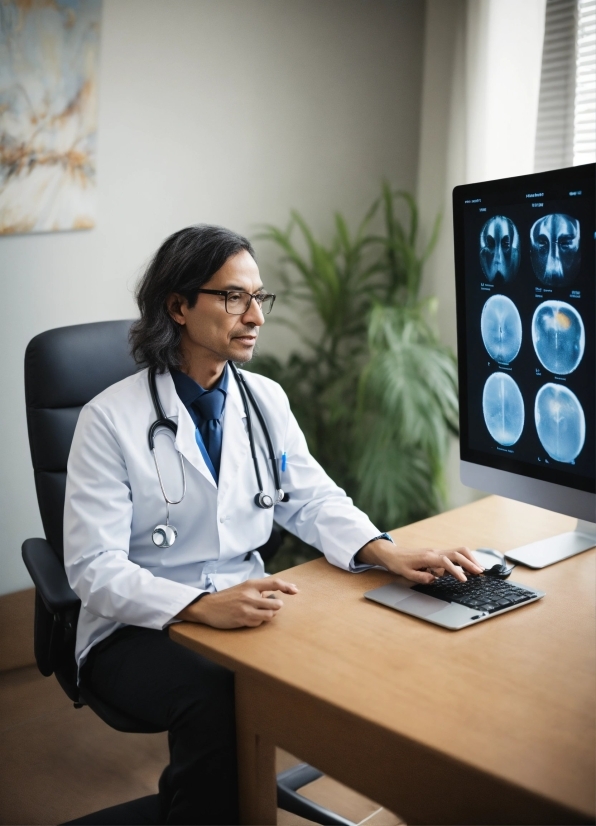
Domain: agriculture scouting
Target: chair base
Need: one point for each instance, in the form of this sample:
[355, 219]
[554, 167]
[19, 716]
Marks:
[288, 784]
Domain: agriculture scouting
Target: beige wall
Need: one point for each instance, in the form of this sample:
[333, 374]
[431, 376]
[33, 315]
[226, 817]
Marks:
[442, 166]
[226, 111]
[478, 122]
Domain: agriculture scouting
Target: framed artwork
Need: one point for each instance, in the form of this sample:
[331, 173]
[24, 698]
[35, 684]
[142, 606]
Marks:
[48, 114]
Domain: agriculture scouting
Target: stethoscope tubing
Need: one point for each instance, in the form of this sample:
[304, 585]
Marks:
[242, 384]
[248, 399]
[171, 501]
[251, 439]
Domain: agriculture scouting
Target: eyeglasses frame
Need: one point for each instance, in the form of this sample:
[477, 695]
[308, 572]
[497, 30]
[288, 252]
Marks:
[255, 296]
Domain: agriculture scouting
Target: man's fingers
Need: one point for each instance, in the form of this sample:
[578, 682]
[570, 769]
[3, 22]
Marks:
[266, 604]
[423, 577]
[466, 562]
[255, 617]
[456, 557]
[467, 554]
[453, 569]
[271, 583]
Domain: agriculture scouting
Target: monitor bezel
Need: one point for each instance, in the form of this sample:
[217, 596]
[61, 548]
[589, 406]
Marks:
[572, 177]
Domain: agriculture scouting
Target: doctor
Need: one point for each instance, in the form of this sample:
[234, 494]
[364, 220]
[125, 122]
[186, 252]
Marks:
[202, 304]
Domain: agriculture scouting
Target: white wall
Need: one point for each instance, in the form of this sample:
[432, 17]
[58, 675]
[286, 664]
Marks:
[224, 111]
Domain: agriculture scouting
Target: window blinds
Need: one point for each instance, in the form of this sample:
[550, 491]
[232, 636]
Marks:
[584, 128]
[554, 129]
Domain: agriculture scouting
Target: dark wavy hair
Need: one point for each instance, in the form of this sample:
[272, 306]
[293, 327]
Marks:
[184, 263]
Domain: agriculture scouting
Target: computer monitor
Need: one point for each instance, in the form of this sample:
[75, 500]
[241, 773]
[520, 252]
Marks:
[526, 321]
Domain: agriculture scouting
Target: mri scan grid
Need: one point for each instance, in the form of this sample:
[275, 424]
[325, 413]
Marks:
[557, 331]
[526, 324]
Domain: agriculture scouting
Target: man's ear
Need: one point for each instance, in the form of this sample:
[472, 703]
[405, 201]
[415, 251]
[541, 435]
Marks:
[176, 303]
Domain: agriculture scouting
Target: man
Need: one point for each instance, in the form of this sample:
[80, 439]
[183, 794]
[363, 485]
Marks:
[201, 305]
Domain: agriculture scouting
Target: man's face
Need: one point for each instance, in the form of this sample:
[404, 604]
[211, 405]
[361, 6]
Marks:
[208, 331]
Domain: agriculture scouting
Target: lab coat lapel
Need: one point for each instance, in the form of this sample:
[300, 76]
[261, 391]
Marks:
[235, 438]
[185, 438]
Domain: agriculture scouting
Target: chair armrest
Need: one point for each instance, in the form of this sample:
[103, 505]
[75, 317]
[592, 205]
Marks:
[271, 547]
[48, 575]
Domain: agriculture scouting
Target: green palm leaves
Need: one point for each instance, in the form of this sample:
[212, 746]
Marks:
[373, 389]
[407, 406]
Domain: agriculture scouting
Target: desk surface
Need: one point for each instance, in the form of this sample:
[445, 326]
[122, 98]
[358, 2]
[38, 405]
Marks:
[513, 696]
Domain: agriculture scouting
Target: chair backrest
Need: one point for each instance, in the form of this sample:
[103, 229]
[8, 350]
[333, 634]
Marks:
[64, 369]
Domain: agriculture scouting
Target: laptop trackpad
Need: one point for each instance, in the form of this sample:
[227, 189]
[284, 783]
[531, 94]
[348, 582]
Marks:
[421, 605]
[404, 599]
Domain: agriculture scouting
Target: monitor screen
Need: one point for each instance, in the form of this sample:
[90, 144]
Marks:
[526, 317]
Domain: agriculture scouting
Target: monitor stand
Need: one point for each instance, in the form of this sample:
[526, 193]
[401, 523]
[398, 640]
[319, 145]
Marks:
[555, 548]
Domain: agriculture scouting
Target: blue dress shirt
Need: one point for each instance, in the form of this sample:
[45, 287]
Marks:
[209, 431]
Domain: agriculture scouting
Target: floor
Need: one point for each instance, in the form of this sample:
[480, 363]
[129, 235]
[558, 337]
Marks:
[58, 763]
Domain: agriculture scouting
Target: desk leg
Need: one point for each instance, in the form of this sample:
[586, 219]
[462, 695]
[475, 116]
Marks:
[256, 759]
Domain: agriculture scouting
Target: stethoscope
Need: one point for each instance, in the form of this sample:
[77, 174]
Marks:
[164, 536]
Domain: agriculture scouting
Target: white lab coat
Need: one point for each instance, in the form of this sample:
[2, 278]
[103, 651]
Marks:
[114, 501]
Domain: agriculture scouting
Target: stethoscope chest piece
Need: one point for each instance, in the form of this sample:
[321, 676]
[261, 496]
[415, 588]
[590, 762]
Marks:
[164, 536]
[263, 500]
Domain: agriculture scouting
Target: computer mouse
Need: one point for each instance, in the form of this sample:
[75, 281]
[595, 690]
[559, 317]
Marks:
[501, 571]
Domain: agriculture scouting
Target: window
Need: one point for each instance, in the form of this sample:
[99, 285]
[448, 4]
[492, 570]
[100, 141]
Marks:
[566, 127]
[584, 125]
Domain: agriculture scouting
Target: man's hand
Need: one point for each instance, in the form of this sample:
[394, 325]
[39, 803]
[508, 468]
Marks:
[421, 565]
[242, 605]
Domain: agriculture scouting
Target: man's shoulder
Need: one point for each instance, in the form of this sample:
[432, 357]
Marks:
[264, 387]
[120, 393]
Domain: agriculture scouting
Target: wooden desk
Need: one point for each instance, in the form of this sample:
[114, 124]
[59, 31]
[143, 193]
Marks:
[492, 724]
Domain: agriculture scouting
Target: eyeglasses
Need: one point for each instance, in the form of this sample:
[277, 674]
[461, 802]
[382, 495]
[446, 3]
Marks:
[238, 301]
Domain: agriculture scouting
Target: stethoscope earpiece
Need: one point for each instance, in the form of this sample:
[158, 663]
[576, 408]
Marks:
[164, 536]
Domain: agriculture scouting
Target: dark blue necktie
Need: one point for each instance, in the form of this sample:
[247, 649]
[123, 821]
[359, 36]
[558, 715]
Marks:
[209, 407]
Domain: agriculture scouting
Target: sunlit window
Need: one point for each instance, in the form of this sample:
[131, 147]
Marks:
[566, 127]
[584, 121]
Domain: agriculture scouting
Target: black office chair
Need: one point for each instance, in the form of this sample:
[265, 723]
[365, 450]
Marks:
[64, 369]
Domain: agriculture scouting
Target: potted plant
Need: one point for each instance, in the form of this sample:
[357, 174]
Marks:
[373, 388]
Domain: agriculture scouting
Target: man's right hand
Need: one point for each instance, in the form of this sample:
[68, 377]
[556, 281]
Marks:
[242, 605]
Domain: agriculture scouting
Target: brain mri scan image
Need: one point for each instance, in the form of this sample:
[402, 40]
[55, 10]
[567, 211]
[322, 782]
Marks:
[554, 249]
[558, 336]
[503, 408]
[560, 422]
[501, 328]
[499, 249]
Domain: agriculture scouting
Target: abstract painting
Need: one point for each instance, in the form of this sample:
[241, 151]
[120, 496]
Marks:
[48, 114]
